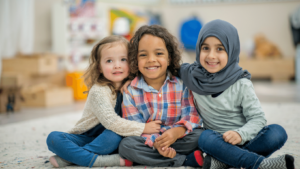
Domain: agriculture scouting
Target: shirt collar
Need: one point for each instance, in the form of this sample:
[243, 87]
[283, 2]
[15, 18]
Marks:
[140, 83]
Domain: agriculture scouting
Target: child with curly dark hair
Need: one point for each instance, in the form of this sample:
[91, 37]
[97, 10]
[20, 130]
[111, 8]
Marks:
[156, 93]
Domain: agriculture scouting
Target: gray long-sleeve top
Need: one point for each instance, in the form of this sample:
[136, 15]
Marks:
[237, 109]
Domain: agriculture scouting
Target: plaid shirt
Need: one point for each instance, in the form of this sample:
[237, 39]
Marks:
[173, 104]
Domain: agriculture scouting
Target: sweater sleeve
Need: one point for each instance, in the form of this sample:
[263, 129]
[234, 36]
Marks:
[103, 109]
[252, 110]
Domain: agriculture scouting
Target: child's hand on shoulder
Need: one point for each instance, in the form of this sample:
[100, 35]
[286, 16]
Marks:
[232, 137]
[168, 152]
[124, 87]
[152, 127]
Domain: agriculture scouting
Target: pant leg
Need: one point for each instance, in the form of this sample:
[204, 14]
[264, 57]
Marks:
[82, 150]
[270, 139]
[106, 143]
[69, 147]
[188, 143]
[212, 143]
[134, 149]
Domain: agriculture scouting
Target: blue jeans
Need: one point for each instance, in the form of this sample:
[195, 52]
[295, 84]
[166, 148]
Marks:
[249, 155]
[81, 149]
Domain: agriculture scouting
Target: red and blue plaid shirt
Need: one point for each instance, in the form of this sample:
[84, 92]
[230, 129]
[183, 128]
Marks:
[173, 104]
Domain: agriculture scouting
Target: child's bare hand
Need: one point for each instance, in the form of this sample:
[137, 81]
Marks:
[124, 87]
[152, 127]
[170, 136]
[168, 152]
[166, 139]
[232, 137]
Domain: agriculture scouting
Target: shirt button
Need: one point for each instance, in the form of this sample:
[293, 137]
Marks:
[159, 95]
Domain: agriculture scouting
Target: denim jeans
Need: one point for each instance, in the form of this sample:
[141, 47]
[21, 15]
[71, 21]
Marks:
[249, 155]
[82, 149]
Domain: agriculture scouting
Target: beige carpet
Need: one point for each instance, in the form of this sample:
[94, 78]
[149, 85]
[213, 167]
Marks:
[22, 145]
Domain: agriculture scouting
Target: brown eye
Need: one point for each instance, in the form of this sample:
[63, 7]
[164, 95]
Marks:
[220, 49]
[204, 48]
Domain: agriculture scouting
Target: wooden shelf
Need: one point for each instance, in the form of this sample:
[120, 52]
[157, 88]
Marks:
[276, 69]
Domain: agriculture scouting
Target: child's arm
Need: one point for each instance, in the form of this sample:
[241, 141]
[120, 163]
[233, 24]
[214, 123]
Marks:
[189, 120]
[130, 112]
[252, 110]
[104, 111]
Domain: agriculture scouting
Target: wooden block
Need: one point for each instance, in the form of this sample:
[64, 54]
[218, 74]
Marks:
[41, 97]
[12, 80]
[36, 64]
[281, 69]
[57, 79]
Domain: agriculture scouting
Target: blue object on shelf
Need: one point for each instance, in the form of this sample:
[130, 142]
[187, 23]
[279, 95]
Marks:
[189, 33]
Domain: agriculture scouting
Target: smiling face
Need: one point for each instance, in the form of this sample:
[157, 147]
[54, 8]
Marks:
[153, 59]
[113, 63]
[213, 56]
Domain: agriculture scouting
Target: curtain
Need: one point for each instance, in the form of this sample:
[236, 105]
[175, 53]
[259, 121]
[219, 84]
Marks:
[16, 27]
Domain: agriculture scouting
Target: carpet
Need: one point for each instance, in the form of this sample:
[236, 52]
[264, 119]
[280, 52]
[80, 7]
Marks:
[23, 144]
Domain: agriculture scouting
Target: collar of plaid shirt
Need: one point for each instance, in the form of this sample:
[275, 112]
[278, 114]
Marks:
[140, 83]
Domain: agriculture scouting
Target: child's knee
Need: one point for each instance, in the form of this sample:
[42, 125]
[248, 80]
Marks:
[205, 138]
[278, 133]
[126, 145]
[52, 137]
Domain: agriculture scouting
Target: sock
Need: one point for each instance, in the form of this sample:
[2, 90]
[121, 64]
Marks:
[58, 162]
[281, 162]
[128, 163]
[124, 162]
[212, 163]
[194, 159]
[109, 161]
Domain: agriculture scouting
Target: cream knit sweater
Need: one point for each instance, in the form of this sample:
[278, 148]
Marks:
[99, 108]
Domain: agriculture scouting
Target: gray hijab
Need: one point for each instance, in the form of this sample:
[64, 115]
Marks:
[197, 79]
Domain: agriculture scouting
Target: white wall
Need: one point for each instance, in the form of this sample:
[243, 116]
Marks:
[42, 27]
[271, 19]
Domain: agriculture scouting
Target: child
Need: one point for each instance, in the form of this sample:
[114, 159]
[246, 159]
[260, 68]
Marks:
[157, 94]
[97, 132]
[224, 95]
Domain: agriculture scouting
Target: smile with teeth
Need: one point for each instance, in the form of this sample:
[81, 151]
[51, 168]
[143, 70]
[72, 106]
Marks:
[212, 63]
[152, 67]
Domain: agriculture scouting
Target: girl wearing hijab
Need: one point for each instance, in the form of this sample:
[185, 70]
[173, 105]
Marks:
[236, 134]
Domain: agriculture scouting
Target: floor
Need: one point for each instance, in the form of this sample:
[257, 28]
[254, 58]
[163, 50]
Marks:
[23, 134]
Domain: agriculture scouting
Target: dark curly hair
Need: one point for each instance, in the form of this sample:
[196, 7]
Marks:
[169, 40]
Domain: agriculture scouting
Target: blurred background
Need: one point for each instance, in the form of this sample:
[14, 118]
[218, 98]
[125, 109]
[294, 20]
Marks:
[45, 45]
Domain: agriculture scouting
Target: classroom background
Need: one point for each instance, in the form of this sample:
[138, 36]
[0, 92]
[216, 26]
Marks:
[45, 46]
